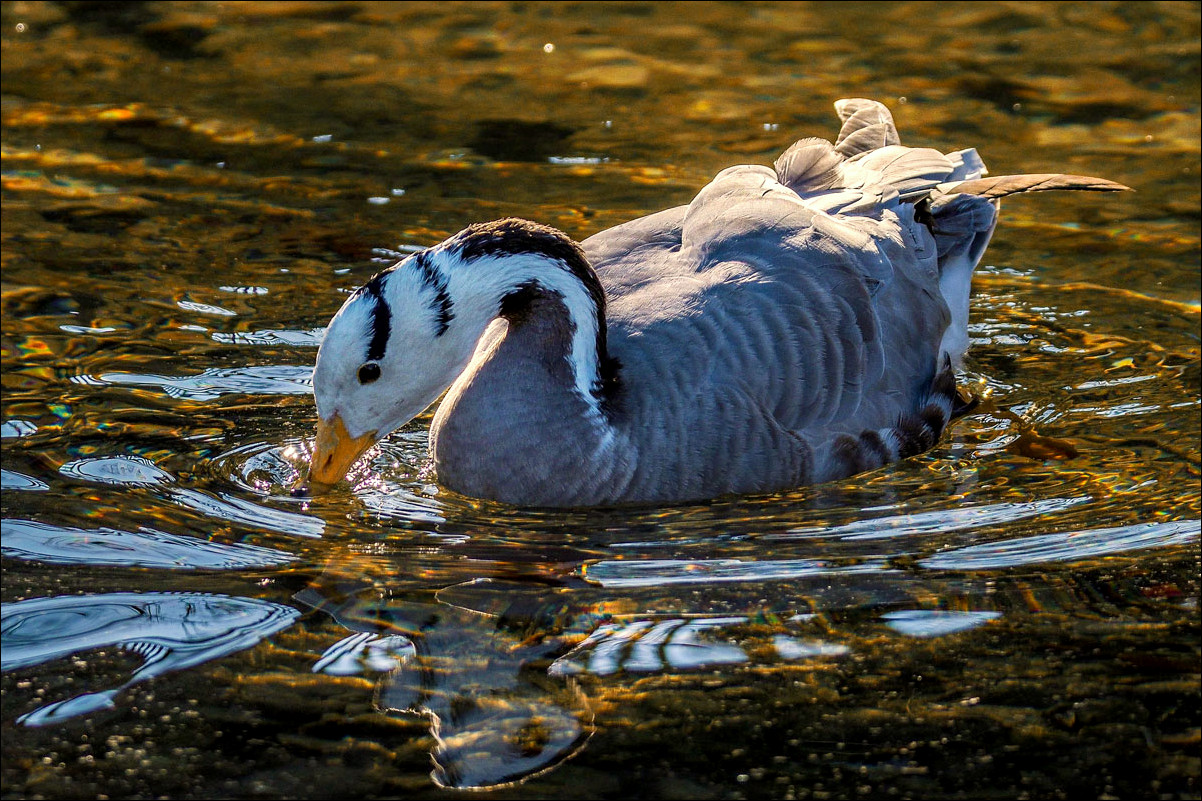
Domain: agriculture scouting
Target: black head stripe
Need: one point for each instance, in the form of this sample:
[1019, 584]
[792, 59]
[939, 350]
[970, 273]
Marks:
[514, 235]
[381, 317]
[442, 306]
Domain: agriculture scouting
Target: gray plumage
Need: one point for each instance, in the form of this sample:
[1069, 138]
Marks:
[788, 326]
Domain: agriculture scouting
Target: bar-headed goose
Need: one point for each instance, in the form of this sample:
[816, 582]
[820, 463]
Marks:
[788, 326]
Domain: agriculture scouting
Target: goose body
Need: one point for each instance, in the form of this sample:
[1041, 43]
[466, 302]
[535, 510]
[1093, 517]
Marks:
[790, 325]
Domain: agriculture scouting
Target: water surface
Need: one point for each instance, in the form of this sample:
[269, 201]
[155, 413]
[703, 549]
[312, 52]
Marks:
[189, 192]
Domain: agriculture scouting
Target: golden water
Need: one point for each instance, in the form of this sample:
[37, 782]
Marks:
[190, 189]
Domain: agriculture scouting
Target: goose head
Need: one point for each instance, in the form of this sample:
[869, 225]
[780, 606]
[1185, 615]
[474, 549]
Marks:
[388, 353]
[401, 339]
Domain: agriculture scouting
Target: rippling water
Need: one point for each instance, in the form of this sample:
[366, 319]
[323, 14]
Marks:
[191, 189]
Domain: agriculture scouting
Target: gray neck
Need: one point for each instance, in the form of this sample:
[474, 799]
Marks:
[520, 388]
[496, 268]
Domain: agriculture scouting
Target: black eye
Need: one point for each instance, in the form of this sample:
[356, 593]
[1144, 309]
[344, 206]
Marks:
[369, 372]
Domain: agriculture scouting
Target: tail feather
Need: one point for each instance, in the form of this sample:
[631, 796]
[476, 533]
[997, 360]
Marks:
[1002, 185]
[950, 193]
[867, 125]
[961, 226]
[961, 217]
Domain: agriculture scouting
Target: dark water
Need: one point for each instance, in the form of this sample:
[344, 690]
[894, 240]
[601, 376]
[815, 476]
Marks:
[190, 190]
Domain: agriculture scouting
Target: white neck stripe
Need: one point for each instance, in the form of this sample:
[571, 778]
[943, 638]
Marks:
[481, 284]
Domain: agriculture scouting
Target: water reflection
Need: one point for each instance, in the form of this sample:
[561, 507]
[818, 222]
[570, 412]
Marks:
[365, 653]
[262, 468]
[658, 572]
[494, 664]
[170, 631]
[645, 646]
[1066, 546]
[300, 339]
[65, 545]
[205, 308]
[935, 622]
[923, 523]
[14, 429]
[495, 717]
[248, 513]
[12, 480]
[212, 384]
[135, 471]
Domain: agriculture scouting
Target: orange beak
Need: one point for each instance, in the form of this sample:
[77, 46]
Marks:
[334, 453]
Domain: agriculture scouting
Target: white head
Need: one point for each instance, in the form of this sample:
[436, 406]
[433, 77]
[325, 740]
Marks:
[391, 350]
[403, 337]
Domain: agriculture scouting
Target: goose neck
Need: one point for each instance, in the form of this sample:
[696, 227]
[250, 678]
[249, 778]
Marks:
[498, 276]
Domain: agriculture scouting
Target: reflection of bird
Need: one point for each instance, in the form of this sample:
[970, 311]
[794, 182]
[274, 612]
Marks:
[170, 631]
[465, 668]
[788, 326]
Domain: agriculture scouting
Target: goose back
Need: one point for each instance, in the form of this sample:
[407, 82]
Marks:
[790, 325]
